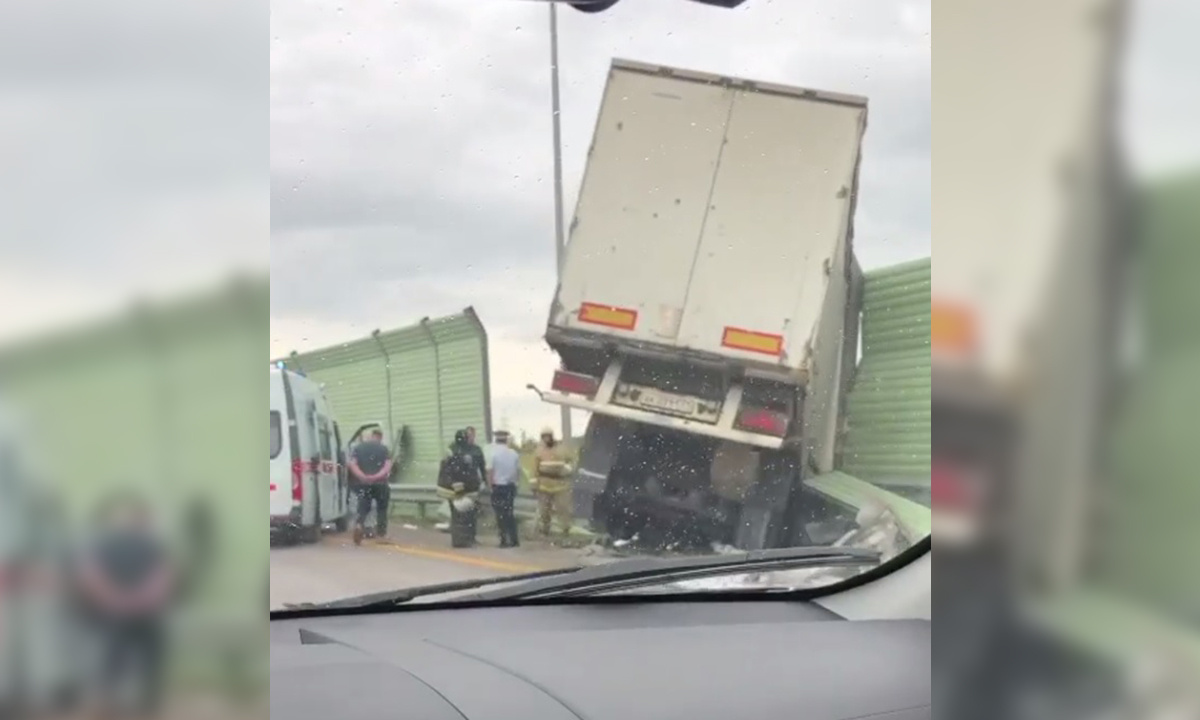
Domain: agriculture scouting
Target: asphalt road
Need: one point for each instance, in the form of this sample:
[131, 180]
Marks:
[335, 568]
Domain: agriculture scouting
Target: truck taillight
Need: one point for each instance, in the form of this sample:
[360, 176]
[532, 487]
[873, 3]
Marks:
[298, 481]
[956, 503]
[948, 489]
[575, 383]
[762, 421]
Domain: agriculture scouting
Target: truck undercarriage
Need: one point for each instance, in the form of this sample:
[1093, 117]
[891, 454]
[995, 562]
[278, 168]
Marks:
[642, 485]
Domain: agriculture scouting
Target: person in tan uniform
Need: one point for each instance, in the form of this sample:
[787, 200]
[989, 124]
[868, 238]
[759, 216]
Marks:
[552, 484]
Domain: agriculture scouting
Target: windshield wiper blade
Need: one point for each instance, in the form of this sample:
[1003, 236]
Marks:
[607, 577]
[391, 598]
[643, 572]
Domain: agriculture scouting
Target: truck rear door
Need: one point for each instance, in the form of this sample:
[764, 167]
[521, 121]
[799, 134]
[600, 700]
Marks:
[640, 212]
[711, 213]
[780, 206]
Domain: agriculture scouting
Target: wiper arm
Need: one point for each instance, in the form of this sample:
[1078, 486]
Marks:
[391, 598]
[641, 572]
[620, 575]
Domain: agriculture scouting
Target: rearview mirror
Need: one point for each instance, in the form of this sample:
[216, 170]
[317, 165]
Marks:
[595, 6]
[592, 6]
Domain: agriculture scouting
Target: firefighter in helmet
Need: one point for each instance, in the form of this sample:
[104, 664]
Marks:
[459, 482]
[552, 484]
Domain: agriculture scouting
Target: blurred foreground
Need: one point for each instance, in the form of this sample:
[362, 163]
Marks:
[134, 564]
[1065, 392]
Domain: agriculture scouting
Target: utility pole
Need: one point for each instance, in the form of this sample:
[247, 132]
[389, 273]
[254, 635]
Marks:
[559, 235]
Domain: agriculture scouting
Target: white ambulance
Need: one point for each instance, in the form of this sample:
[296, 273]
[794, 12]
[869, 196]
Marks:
[309, 488]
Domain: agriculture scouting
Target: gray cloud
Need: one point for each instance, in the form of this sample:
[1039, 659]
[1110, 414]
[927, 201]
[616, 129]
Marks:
[411, 143]
[1161, 96]
[132, 142]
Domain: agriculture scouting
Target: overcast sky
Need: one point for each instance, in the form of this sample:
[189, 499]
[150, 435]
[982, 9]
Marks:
[411, 152]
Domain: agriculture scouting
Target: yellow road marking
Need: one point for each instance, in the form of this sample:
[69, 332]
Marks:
[455, 557]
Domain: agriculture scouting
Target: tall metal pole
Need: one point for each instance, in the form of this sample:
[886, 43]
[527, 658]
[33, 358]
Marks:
[559, 239]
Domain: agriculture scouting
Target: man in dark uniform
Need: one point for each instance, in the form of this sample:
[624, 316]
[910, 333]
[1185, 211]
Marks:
[128, 584]
[371, 467]
[459, 481]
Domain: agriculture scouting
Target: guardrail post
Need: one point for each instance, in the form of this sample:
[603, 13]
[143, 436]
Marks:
[437, 374]
[487, 371]
[387, 378]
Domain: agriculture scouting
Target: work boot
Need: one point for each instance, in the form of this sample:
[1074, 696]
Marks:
[358, 534]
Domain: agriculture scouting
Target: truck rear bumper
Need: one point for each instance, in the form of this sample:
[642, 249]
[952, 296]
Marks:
[665, 421]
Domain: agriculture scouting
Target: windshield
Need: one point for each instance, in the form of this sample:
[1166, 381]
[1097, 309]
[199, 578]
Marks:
[276, 435]
[647, 283]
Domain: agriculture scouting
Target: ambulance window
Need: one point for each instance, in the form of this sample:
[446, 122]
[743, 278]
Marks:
[276, 434]
[326, 438]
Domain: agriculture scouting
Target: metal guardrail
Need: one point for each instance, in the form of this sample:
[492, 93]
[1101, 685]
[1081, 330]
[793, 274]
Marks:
[524, 506]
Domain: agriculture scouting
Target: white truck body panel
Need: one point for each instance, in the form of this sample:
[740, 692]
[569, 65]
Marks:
[1033, 274]
[711, 203]
[1020, 214]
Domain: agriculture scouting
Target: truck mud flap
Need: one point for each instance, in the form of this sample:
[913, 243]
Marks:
[754, 528]
[763, 520]
[587, 497]
[596, 458]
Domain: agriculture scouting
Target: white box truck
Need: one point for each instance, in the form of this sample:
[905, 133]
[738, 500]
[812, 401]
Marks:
[706, 313]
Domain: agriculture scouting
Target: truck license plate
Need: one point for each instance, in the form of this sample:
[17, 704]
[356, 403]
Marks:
[667, 403]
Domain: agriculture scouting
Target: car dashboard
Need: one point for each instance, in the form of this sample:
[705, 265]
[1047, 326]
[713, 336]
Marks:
[692, 659]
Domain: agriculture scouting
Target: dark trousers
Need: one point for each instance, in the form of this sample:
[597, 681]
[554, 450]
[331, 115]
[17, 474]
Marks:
[380, 494]
[462, 526]
[132, 652]
[502, 503]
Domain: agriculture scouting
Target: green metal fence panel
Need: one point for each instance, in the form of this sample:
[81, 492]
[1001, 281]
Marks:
[1168, 288]
[415, 400]
[1150, 492]
[162, 401]
[422, 382]
[356, 390]
[888, 412]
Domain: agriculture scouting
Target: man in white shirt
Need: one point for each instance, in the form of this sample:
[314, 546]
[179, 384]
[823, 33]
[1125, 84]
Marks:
[503, 477]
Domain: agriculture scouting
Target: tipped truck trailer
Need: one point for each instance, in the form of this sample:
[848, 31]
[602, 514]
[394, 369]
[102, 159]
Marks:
[707, 308]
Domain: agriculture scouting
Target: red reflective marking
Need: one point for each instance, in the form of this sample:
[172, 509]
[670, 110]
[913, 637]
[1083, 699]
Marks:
[948, 488]
[763, 421]
[575, 383]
